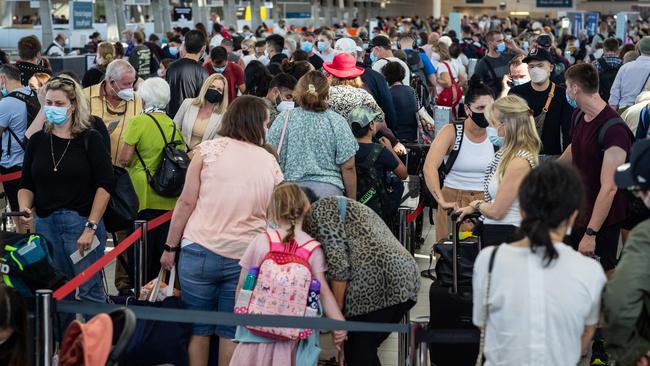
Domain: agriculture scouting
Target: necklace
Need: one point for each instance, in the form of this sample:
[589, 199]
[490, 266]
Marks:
[56, 163]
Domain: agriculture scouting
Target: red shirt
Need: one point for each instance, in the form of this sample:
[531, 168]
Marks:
[234, 74]
[588, 158]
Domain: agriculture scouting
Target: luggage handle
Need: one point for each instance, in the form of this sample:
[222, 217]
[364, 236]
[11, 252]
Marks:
[167, 291]
[453, 215]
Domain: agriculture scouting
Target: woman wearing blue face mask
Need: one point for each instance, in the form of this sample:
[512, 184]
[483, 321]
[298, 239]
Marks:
[512, 127]
[67, 175]
[324, 46]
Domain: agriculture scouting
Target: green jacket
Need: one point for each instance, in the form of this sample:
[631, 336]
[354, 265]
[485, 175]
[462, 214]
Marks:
[627, 300]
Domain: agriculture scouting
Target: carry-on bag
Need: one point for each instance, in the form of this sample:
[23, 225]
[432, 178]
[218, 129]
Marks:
[451, 309]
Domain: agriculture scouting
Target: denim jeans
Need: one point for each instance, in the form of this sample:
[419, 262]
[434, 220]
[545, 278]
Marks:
[62, 229]
[208, 282]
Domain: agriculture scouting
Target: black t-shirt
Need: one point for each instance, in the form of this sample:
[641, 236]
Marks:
[93, 76]
[86, 164]
[493, 69]
[557, 124]
[316, 61]
[405, 101]
[185, 78]
[385, 163]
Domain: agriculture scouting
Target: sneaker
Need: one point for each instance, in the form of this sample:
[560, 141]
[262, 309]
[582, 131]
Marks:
[598, 354]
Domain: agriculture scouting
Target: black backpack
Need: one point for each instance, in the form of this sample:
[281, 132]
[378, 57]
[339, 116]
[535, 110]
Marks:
[33, 107]
[469, 49]
[606, 78]
[419, 80]
[169, 179]
[371, 188]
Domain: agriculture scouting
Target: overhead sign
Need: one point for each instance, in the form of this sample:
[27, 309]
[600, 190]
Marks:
[82, 15]
[137, 2]
[473, 1]
[554, 3]
[182, 13]
[215, 3]
[592, 23]
[299, 15]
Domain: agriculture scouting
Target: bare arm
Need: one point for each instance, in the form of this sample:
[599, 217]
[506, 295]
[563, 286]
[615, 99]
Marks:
[444, 80]
[187, 201]
[242, 88]
[125, 155]
[331, 309]
[517, 169]
[349, 173]
[338, 288]
[439, 148]
[37, 124]
[585, 339]
[566, 156]
[614, 157]
[99, 205]
[26, 203]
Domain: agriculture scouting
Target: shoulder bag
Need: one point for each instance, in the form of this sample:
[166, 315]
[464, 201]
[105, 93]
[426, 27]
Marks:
[539, 120]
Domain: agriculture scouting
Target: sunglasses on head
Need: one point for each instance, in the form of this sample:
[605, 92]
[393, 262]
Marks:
[62, 80]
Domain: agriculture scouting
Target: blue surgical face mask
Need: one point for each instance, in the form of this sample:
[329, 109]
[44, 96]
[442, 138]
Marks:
[517, 82]
[526, 46]
[322, 46]
[493, 136]
[373, 58]
[56, 115]
[501, 47]
[571, 101]
[219, 70]
[306, 46]
[173, 51]
[4, 91]
[418, 42]
[285, 52]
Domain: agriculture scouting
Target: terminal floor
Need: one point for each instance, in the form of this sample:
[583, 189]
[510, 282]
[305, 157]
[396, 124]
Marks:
[388, 353]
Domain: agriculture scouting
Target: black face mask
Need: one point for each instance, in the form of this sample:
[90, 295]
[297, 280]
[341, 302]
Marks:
[213, 96]
[479, 119]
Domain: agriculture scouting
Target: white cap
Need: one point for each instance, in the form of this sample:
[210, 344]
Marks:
[446, 40]
[347, 45]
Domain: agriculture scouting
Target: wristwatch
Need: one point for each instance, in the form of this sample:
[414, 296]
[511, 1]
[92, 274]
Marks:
[91, 225]
[591, 232]
[168, 248]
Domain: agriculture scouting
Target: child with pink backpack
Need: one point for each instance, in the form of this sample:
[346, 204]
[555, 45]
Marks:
[283, 270]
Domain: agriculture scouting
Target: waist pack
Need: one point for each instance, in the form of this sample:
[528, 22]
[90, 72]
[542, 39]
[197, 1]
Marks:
[26, 264]
[169, 178]
[282, 287]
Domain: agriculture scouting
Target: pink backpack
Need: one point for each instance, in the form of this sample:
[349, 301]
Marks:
[282, 286]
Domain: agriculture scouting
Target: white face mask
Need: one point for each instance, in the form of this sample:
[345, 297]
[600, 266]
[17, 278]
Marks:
[538, 75]
[126, 94]
[285, 105]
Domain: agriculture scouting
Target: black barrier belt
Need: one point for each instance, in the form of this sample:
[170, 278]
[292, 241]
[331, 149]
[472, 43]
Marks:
[230, 319]
[447, 336]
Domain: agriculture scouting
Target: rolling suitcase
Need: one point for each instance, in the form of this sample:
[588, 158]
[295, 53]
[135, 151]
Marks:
[451, 309]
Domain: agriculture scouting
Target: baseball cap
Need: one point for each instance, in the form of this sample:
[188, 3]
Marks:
[347, 45]
[446, 40]
[544, 40]
[636, 173]
[644, 45]
[538, 54]
[362, 115]
[379, 41]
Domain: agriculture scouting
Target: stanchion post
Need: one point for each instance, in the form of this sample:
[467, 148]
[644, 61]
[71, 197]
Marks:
[140, 258]
[418, 350]
[44, 340]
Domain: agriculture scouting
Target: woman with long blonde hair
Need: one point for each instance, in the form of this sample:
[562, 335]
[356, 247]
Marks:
[512, 127]
[199, 118]
[67, 177]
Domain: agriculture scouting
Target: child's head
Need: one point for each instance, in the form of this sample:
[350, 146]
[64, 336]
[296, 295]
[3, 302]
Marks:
[289, 205]
[361, 120]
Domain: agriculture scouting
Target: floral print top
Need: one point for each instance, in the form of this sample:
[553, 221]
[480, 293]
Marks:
[315, 144]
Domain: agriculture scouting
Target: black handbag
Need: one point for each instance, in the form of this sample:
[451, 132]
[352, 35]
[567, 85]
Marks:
[169, 178]
[122, 209]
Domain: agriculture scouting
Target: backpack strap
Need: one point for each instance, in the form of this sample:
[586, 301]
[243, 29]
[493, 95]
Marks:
[603, 130]
[577, 116]
[306, 249]
[343, 208]
[603, 64]
[458, 142]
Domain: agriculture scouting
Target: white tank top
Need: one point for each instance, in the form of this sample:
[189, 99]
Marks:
[468, 172]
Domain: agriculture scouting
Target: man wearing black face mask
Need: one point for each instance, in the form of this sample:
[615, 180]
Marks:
[469, 152]
[279, 98]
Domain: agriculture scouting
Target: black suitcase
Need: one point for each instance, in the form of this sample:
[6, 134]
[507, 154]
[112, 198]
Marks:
[451, 309]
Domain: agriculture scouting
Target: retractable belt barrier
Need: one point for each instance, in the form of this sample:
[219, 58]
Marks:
[11, 176]
[86, 274]
[232, 319]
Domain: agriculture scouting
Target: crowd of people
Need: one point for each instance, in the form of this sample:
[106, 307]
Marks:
[303, 140]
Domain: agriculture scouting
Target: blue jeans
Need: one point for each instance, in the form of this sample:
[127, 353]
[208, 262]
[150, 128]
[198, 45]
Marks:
[62, 229]
[208, 282]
